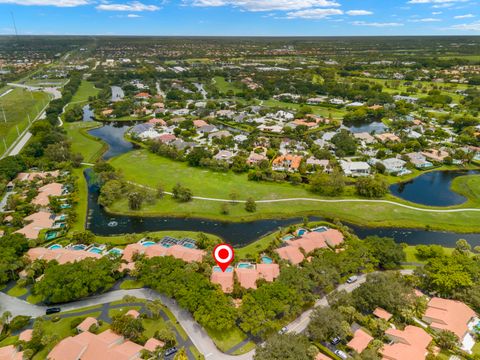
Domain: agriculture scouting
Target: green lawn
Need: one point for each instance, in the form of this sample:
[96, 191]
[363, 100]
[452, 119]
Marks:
[82, 201]
[131, 284]
[86, 90]
[318, 110]
[17, 291]
[11, 340]
[82, 142]
[412, 254]
[223, 86]
[34, 299]
[148, 169]
[468, 186]
[225, 340]
[17, 105]
[122, 310]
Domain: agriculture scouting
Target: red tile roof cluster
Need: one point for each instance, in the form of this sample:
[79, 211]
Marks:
[288, 161]
[53, 189]
[444, 314]
[37, 222]
[62, 256]
[177, 251]
[246, 277]
[309, 242]
[107, 346]
[382, 314]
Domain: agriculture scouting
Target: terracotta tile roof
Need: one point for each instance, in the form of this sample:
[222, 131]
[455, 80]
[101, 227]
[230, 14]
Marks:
[317, 240]
[133, 313]
[177, 251]
[321, 356]
[224, 279]
[382, 314]
[199, 123]
[290, 253]
[410, 344]
[53, 189]
[38, 221]
[152, 344]
[37, 175]
[63, 256]
[269, 272]
[247, 278]
[25, 335]
[289, 161]
[360, 341]
[87, 323]
[444, 314]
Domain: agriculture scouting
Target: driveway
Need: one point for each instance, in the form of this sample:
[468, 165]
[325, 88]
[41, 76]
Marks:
[195, 332]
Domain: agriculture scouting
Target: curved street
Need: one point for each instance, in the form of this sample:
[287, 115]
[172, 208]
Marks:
[196, 333]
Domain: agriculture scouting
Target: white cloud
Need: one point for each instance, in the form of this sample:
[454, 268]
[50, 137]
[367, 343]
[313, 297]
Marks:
[377, 24]
[426, 20]
[313, 13]
[135, 6]
[133, 16]
[359, 12]
[466, 16]
[475, 26]
[267, 5]
[57, 3]
[437, 13]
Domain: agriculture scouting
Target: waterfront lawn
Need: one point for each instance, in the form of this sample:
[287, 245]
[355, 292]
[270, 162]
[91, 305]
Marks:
[18, 104]
[148, 169]
[82, 201]
[84, 143]
[468, 186]
[225, 340]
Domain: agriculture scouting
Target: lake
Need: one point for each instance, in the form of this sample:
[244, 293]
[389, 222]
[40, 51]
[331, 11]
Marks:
[432, 188]
[114, 135]
[376, 127]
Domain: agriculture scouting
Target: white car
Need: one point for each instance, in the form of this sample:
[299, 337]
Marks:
[352, 279]
[341, 354]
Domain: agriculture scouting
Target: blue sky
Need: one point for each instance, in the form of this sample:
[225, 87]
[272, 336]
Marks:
[241, 17]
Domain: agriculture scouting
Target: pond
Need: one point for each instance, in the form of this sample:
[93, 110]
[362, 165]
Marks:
[114, 135]
[242, 234]
[432, 188]
[376, 127]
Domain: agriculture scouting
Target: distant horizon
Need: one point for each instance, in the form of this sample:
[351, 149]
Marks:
[240, 18]
[242, 36]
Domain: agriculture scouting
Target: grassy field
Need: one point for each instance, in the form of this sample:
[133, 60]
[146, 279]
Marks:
[468, 186]
[17, 291]
[148, 169]
[318, 110]
[82, 201]
[84, 143]
[85, 90]
[223, 86]
[17, 106]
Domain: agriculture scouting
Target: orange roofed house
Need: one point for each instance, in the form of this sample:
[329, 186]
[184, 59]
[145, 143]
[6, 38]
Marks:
[360, 341]
[36, 223]
[454, 316]
[309, 242]
[410, 343]
[62, 256]
[53, 189]
[177, 251]
[247, 277]
[106, 345]
[287, 162]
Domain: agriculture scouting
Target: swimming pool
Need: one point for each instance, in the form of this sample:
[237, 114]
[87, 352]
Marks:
[79, 247]
[245, 266]
[116, 251]
[267, 260]
[189, 245]
[301, 232]
[320, 229]
[95, 250]
[227, 270]
[55, 247]
[148, 243]
[288, 237]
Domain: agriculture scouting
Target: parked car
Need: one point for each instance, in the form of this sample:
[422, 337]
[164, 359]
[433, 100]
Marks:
[335, 341]
[283, 330]
[53, 310]
[170, 351]
[341, 354]
[352, 279]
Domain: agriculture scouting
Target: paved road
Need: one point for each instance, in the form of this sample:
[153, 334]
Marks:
[3, 202]
[323, 201]
[23, 141]
[195, 332]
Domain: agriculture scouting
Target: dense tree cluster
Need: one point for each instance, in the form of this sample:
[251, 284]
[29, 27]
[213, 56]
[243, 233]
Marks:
[72, 281]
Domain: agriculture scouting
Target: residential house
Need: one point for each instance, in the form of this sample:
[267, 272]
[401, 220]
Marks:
[44, 193]
[419, 160]
[365, 138]
[287, 162]
[36, 223]
[394, 165]
[435, 155]
[62, 256]
[410, 343]
[454, 316]
[324, 165]
[361, 339]
[382, 314]
[387, 137]
[355, 168]
[224, 155]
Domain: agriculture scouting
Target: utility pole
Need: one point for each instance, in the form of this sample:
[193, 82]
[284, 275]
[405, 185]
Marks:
[4, 117]
[29, 121]
[18, 131]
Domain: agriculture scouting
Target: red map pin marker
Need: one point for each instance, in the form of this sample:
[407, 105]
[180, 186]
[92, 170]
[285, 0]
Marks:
[223, 255]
